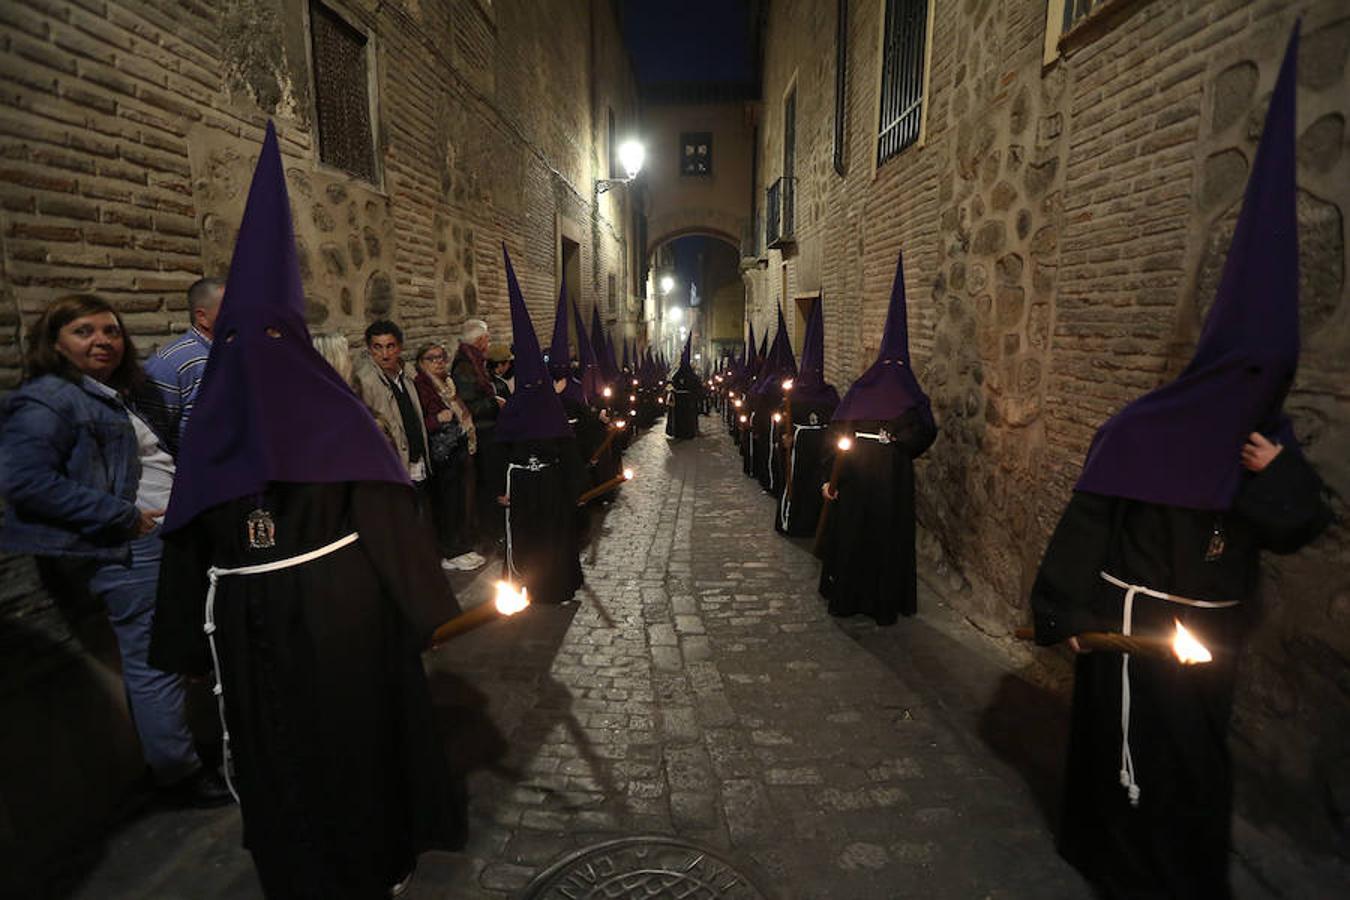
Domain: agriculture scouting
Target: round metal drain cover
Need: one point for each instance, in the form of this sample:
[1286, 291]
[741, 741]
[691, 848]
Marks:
[643, 868]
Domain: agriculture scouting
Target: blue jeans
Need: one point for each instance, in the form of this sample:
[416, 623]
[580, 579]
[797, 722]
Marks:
[155, 697]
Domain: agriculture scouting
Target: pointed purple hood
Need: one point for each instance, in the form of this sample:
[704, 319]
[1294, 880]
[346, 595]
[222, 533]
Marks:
[779, 364]
[1180, 444]
[888, 388]
[559, 358]
[810, 387]
[592, 380]
[533, 411]
[270, 407]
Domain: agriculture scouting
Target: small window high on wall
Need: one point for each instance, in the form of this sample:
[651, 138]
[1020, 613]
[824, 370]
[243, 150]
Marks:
[904, 49]
[342, 93]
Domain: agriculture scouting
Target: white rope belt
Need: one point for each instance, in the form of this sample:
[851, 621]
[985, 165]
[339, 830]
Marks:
[214, 574]
[534, 467]
[1127, 777]
[785, 504]
[879, 437]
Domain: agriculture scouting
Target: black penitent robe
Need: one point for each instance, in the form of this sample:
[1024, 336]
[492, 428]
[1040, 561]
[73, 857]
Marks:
[544, 480]
[761, 449]
[682, 418]
[867, 559]
[341, 776]
[1175, 843]
[799, 503]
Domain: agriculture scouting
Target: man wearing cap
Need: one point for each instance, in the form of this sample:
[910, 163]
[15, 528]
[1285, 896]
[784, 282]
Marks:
[500, 360]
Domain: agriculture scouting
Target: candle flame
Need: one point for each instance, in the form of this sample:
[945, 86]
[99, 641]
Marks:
[845, 443]
[1188, 650]
[635, 381]
[509, 600]
[787, 384]
[632, 412]
[620, 424]
[632, 398]
[627, 474]
[736, 403]
[778, 417]
[607, 393]
[745, 419]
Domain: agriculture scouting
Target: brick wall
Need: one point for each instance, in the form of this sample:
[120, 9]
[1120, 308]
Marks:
[128, 133]
[1063, 227]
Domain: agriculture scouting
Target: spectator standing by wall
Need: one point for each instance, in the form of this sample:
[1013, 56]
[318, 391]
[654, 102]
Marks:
[452, 441]
[176, 370]
[473, 383]
[387, 388]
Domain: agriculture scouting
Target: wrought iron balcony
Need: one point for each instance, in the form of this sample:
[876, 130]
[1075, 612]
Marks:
[779, 214]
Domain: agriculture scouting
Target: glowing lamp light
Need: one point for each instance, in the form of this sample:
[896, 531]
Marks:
[631, 156]
[788, 383]
[777, 417]
[635, 382]
[1188, 650]
[620, 424]
[632, 398]
[845, 443]
[744, 419]
[607, 393]
[510, 601]
[628, 474]
[736, 403]
[632, 412]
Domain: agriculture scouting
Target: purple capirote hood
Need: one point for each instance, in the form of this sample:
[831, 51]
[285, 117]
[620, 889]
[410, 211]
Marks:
[270, 409]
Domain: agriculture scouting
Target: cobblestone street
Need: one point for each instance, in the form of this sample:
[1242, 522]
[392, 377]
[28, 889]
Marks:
[699, 689]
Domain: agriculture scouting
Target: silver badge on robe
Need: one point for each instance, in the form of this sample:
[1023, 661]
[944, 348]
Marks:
[884, 436]
[262, 531]
[813, 419]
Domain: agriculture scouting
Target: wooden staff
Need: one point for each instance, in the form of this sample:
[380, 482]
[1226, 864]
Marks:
[843, 445]
[605, 487]
[615, 430]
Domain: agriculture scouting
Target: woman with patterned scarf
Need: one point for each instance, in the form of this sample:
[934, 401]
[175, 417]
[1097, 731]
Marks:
[453, 441]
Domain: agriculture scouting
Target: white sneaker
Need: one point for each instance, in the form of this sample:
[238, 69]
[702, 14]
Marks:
[467, 562]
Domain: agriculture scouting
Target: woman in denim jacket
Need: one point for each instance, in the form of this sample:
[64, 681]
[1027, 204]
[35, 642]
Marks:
[85, 479]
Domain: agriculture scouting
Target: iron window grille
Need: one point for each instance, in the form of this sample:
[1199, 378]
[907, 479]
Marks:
[341, 93]
[903, 54]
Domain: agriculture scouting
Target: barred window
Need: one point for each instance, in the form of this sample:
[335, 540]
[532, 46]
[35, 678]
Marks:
[902, 76]
[696, 153]
[341, 93]
[1075, 10]
[840, 80]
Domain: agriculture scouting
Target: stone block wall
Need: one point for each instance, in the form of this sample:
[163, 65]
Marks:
[1063, 226]
[128, 134]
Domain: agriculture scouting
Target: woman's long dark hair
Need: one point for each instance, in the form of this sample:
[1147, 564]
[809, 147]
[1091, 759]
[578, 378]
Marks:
[44, 359]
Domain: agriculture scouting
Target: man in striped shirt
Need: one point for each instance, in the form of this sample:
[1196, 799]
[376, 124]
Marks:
[176, 369]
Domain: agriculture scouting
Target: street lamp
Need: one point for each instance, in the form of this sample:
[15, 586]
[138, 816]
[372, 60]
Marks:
[631, 156]
[667, 284]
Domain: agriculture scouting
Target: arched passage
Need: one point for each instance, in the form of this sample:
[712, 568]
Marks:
[697, 281]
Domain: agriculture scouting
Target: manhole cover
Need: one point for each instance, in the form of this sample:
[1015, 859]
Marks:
[643, 868]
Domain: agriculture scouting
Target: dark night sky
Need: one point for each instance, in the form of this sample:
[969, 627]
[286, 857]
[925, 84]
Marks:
[688, 40]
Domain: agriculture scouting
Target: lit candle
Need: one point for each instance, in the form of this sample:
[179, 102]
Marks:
[508, 602]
